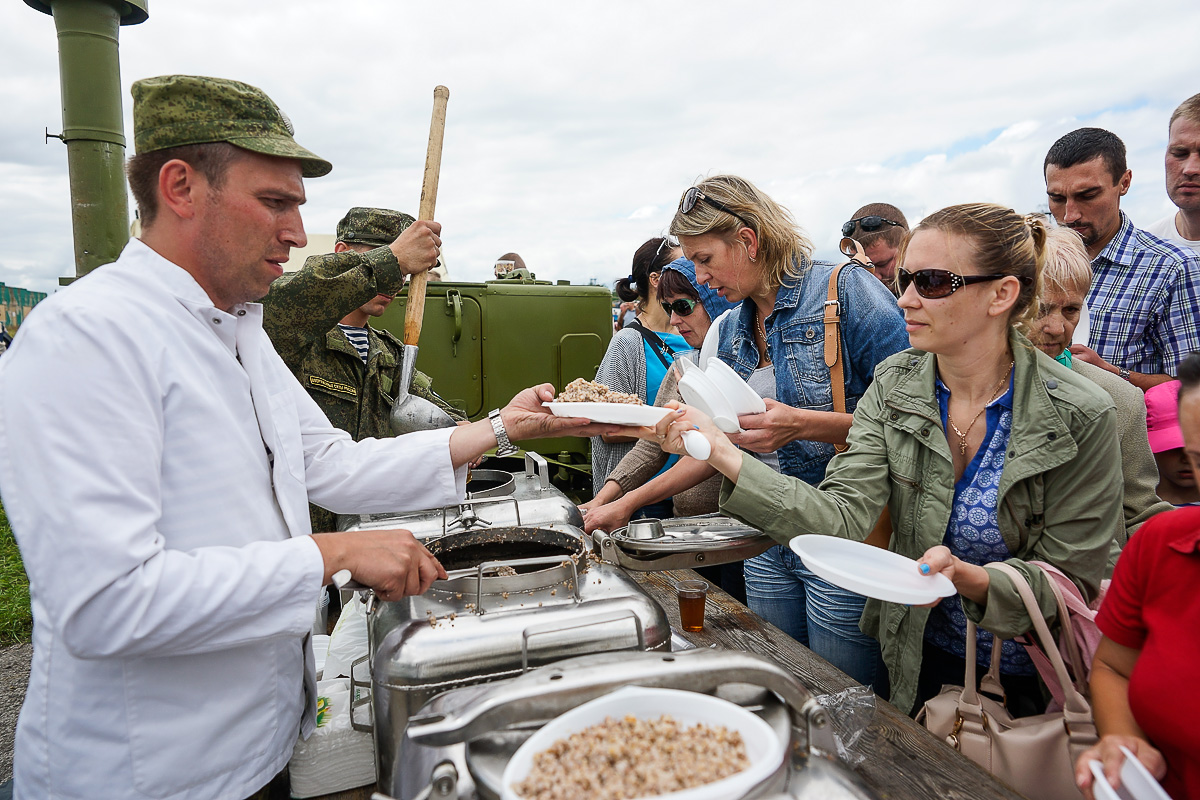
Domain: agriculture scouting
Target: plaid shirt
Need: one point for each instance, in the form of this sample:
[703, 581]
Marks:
[1144, 303]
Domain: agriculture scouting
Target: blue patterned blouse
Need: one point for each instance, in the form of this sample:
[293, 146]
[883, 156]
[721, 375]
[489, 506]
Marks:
[974, 537]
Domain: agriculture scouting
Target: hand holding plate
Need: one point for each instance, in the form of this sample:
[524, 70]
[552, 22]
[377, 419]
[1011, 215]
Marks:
[525, 417]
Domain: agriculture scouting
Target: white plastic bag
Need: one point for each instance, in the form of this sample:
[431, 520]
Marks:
[348, 642]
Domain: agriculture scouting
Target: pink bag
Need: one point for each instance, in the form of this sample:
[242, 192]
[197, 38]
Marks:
[1078, 647]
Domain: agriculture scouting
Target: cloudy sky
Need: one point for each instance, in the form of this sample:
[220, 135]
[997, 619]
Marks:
[573, 127]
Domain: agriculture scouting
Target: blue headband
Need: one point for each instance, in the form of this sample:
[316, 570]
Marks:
[713, 303]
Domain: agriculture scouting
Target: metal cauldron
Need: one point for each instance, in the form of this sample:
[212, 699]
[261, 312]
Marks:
[517, 599]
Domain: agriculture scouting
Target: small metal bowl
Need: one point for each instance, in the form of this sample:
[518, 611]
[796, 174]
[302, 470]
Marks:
[644, 529]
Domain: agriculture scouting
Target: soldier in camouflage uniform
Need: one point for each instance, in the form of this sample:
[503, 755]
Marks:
[302, 314]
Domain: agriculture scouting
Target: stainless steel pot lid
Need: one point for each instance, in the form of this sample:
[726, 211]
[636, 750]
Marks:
[490, 483]
[687, 534]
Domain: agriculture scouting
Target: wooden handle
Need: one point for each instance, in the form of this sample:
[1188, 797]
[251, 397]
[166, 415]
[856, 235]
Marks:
[414, 313]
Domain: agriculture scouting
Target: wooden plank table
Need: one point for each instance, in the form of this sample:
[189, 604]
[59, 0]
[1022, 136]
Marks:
[904, 761]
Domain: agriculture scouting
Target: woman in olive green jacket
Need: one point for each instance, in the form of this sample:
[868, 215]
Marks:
[1048, 454]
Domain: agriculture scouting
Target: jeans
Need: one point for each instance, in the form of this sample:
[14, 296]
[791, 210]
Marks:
[814, 612]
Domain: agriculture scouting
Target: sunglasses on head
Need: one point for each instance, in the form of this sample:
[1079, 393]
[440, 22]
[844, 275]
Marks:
[683, 306]
[667, 244]
[694, 195]
[933, 284]
[869, 224]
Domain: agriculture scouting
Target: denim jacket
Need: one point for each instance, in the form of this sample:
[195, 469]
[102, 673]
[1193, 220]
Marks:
[872, 329]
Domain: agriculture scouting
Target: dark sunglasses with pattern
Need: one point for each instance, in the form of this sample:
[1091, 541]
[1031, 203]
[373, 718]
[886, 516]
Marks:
[934, 284]
[682, 306]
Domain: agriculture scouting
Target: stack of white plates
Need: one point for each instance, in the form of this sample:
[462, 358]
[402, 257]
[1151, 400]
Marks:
[720, 393]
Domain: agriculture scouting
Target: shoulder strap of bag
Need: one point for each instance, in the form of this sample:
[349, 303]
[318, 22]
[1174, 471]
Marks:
[660, 348]
[833, 336]
[1075, 700]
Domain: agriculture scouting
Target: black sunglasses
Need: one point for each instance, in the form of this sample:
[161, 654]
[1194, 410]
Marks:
[694, 195]
[869, 224]
[933, 284]
[683, 307]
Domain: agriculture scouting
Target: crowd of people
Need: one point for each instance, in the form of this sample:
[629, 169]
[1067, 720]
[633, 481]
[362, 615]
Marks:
[1024, 393]
[986, 387]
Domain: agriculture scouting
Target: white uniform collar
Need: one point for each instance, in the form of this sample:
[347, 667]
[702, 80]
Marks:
[191, 295]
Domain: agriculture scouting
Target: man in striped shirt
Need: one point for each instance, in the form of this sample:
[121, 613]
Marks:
[1145, 291]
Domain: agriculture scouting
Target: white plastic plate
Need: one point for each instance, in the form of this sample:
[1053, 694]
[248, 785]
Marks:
[1136, 781]
[610, 413]
[739, 394]
[697, 389]
[870, 571]
[763, 746]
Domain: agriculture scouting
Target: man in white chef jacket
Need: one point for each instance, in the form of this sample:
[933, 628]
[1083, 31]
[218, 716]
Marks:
[156, 463]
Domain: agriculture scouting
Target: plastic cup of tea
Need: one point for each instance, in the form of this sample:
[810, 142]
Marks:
[692, 595]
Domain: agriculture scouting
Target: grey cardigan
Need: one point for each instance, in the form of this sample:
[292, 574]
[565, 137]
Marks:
[623, 369]
[1137, 462]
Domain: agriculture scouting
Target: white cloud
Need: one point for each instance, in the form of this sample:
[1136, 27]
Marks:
[563, 117]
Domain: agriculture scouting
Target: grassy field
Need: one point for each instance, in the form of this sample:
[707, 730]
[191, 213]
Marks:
[16, 622]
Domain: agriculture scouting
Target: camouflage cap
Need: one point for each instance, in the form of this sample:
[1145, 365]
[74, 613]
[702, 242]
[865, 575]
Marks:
[177, 110]
[373, 226]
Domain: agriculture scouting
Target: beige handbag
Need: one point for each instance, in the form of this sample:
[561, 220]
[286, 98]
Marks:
[1034, 755]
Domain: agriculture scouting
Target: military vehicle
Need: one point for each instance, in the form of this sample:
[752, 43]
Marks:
[481, 343]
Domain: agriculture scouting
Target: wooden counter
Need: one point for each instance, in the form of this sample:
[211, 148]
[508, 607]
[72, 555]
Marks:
[904, 762]
[903, 759]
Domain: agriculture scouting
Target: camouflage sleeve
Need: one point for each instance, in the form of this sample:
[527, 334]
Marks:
[422, 386]
[304, 306]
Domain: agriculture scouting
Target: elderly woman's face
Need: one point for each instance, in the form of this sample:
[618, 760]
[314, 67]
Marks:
[692, 326]
[724, 267]
[1058, 316]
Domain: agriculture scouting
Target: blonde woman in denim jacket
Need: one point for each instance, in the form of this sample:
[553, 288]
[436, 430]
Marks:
[745, 246]
[972, 390]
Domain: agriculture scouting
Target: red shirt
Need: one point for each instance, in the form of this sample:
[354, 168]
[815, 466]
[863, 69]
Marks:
[1154, 605]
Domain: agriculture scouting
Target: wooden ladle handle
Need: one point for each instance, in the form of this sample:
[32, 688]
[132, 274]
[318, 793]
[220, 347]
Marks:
[414, 313]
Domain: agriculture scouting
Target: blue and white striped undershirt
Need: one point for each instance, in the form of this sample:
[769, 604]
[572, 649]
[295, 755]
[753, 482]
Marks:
[358, 338]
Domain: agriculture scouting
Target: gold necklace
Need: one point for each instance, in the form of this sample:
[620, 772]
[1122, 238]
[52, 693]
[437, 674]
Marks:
[766, 356]
[962, 435]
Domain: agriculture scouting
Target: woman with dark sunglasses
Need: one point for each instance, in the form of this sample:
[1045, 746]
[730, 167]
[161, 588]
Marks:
[638, 355]
[747, 247]
[982, 448]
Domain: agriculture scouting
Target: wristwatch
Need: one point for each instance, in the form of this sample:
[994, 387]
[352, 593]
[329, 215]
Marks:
[504, 446]
[1123, 374]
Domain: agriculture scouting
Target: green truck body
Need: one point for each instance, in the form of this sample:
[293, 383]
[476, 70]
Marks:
[484, 342]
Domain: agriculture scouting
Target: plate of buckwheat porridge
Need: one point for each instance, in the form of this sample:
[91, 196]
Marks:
[642, 743]
[597, 402]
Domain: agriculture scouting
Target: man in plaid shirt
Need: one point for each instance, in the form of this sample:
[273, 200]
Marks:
[1144, 304]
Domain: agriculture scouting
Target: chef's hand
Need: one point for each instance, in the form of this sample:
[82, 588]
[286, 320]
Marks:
[1108, 752]
[418, 248]
[391, 562]
[526, 418]
[770, 430]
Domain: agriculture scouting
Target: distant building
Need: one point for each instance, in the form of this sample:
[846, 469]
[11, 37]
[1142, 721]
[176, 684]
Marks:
[17, 303]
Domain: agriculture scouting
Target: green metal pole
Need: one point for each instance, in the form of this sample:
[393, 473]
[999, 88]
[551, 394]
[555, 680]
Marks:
[93, 130]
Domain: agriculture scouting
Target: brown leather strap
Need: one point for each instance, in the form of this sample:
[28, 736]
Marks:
[833, 346]
[833, 336]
